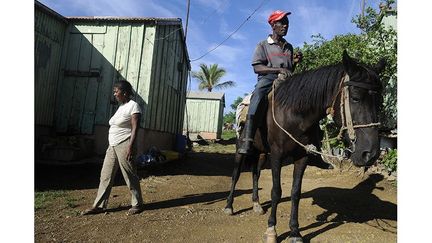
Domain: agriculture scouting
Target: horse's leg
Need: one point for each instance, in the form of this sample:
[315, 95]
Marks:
[235, 176]
[299, 168]
[276, 194]
[256, 172]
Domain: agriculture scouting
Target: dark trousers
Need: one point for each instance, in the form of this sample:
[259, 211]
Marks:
[259, 95]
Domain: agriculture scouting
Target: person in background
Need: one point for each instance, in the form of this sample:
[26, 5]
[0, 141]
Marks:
[240, 117]
[122, 138]
[272, 56]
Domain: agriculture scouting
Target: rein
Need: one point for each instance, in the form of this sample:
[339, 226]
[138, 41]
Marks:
[345, 112]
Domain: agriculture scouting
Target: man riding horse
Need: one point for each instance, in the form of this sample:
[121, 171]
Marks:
[350, 91]
[272, 56]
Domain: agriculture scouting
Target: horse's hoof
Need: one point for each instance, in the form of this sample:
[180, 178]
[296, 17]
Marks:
[270, 235]
[257, 208]
[228, 211]
[295, 240]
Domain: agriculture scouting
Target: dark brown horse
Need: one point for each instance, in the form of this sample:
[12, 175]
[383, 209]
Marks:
[257, 160]
[301, 103]
[350, 89]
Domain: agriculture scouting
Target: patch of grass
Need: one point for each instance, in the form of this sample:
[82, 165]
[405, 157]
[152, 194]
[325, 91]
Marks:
[228, 134]
[42, 199]
[71, 202]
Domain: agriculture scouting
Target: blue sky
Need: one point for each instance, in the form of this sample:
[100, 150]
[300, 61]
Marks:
[212, 21]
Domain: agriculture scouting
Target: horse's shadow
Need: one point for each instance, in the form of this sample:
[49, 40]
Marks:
[204, 198]
[355, 205]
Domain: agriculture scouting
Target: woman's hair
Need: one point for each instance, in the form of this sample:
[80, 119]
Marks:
[124, 86]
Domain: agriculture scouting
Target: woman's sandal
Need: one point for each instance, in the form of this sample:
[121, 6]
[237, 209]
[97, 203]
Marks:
[95, 210]
[135, 210]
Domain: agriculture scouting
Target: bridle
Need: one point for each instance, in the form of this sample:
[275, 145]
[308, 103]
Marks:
[345, 108]
[345, 111]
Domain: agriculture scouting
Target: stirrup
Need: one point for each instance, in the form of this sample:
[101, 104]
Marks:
[246, 147]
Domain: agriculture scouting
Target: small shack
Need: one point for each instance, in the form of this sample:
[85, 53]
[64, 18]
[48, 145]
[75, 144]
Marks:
[204, 114]
[77, 61]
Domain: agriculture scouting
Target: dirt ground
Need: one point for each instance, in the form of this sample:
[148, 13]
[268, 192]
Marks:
[184, 202]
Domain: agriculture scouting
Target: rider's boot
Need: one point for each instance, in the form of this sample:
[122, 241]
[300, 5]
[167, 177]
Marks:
[247, 141]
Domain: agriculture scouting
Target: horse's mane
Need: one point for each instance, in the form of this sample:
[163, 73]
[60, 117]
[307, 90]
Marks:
[310, 90]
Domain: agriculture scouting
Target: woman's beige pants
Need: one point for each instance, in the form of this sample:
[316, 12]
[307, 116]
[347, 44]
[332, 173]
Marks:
[116, 157]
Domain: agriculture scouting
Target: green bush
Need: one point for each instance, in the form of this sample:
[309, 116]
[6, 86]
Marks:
[375, 42]
[331, 132]
[390, 160]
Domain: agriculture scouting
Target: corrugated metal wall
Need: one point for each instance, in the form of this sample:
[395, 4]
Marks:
[49, 37]
[167, 96]
[98, 53]
[204, 116]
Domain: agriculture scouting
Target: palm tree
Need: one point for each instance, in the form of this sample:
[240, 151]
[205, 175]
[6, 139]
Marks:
[209, 78]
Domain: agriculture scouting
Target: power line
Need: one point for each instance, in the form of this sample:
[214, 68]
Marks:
[229, 36]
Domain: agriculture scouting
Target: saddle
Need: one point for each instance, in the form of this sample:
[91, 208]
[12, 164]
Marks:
[243, 107]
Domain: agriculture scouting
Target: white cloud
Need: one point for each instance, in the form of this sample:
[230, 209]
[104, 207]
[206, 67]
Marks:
[311, 20]
[228, 54]
[227, 29]
[219, 5]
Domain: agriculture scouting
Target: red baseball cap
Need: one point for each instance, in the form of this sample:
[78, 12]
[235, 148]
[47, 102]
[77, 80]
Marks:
[277, 15]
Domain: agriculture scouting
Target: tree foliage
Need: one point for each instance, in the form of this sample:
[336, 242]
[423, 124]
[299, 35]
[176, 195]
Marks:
[375, 42]
[231, 116]
[383, 43]
[237, 101]
[209, 77]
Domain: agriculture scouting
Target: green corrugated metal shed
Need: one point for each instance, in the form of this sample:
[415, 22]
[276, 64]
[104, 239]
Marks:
[149, 53]
[50, 28]
[79, 58]
[204, 114]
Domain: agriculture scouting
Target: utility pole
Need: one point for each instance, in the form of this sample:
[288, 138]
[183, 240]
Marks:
[362, 7]
[187, 18]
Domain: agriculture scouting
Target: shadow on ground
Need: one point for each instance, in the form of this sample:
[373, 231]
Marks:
[353, 205]
[86, 176]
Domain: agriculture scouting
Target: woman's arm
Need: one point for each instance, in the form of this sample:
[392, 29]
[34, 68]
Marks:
[135, 124]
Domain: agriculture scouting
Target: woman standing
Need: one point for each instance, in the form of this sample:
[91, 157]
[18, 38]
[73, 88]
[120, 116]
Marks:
[121, 150]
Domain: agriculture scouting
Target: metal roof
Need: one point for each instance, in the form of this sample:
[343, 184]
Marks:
[125, 19]
[206, 95]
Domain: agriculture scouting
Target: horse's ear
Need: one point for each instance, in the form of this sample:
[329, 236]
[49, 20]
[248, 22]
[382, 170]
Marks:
[379, 67]
[345, 55]
[349, 64]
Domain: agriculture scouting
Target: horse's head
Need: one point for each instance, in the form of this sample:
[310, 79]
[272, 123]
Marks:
[364, 96]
